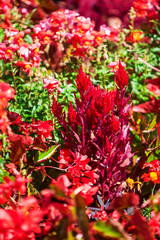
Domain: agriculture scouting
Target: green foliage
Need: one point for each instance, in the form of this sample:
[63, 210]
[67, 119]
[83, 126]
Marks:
[108, 230]
[43, 156]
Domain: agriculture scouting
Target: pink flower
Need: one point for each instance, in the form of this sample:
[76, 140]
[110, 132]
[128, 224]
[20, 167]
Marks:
[50, 83]
[24, 51]
[115, 65]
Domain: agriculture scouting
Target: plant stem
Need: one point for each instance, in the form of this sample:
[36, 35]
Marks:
[50, 108]
[152, 192]
[83, 131]
[149, 65]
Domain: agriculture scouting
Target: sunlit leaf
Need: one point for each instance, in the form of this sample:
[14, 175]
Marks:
[107, 230]
[43, 156]
[152, 123]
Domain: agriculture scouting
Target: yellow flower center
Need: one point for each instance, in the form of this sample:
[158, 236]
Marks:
[153, 176]
[9, 51]
[137, 36]
[46, 38]
[27, 66]
[98, 39]
[20, 40]
[86, 43]
[36, 50]
[130, 182]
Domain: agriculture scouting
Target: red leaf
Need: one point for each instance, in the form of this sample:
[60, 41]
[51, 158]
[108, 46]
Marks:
[18, 146]
[154, 89]
[127, 200]
[63, 182]
[155, 81]
[148, 107]
[142, 228]
[158, 132]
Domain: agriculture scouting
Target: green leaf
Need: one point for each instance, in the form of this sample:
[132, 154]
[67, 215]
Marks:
[1, 35]
[43, 156]
[3, 172]
[155, 49]
[2, 16]
[28, 39]
[2, 66]
[107, 230]
[32, 190]
[19, 78]
[152, 124]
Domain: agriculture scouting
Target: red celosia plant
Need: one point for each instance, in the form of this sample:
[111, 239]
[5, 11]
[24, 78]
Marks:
[98, 128]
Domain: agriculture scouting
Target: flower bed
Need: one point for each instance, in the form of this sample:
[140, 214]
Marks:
[79, 122]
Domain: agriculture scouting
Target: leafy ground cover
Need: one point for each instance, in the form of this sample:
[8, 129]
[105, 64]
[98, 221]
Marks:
[79, 120]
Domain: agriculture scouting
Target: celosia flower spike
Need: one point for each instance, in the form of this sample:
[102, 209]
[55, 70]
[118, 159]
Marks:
[121, 77]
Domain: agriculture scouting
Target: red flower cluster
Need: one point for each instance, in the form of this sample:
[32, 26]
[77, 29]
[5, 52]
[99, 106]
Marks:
[9, 187]
[154, 223]
[5, 8]
[50, 83]
[6, 93]
[121, 77]
[15, 48]
[154, 172]
[68, 27]
[42, 128]
[146, 8]
[20, 220]
[78, 170]
[136, 36]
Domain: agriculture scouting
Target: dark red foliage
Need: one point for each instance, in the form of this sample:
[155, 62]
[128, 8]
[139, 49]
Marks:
[18, 147]
[142, 229]
[56, 108]
[98, 129]
[127, 200]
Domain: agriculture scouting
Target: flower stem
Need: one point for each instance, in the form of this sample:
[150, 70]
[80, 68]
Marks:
[152, 192]
[50, 108]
